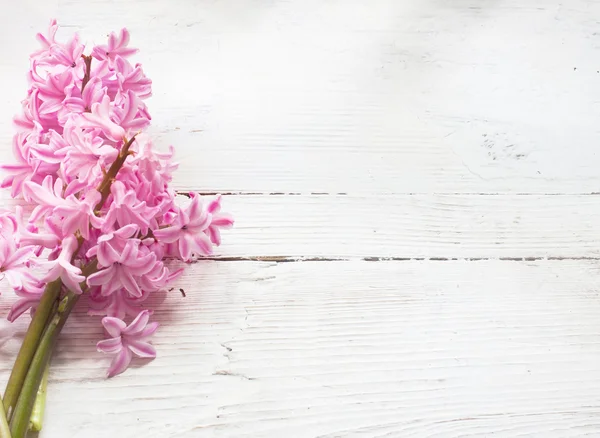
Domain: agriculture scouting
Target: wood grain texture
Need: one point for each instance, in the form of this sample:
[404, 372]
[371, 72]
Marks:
[290, 227]
[347, 133]
[384, 96]
[409, 226]
[322, 349]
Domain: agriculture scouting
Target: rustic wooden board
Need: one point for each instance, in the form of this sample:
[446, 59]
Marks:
[382, 96]
[348, 133]
[411, 226]
[335, 349]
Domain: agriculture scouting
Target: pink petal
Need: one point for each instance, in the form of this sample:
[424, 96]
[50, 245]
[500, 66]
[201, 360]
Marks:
[46, 154]
[113, 131]
[18, 258]
[222, 220]
[184, 217]
[141, 349]
[120, 363]
[200, 222]
[149, 330]
[74, 104]
[214, 234]
[143, 263]
[15, 279]
[118, 190]
[155, 283]
[114, 284]
[19, 308]
[99, 52]
[168, 235]
[71, 223]
[203, 243]
[185, 249]
[110, 346]
[112, 42]
[214, 205]
[126, 231]
[54, 271]
[50, 106]
[129, 251]
[127, 52]
[130, 284]
[101, 277]
[139, 269]
[69, 245]
[137, 124]
[138, 324]
[131, 106]
[72, 281]
[195, 208]
[35, 193]
[99, 118]
[92, 89]
[107, 255]
[123, 38]
[113, 326]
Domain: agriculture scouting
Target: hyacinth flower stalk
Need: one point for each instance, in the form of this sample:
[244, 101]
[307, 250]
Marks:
[96, 216]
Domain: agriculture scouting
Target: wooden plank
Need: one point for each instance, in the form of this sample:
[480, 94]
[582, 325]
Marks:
[390, 96]
[409, 226]
[399, 99]
[328, 349]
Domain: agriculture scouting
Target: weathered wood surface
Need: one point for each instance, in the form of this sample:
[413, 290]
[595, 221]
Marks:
[362, 136]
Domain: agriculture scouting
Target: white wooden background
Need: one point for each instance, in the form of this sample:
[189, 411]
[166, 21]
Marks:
[415, 184]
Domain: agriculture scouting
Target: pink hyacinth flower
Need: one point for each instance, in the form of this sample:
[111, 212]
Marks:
[100, 194]
[218, 220]
[76, 213]
[46, 42]
[131, 78]
[68, 54]
[127, 209]
[48, 195]
[81, 102]
[21, 171]
[100, 118]
[29, 297]
[52, 92]
[84, 154]
[127, 116]
[13, 262]
[118, 304]
[29, 235]
[189, 230]
[127, 340]
[117, 46]
[62, 268]
[125, 272]
[50, 153]
[111, 245]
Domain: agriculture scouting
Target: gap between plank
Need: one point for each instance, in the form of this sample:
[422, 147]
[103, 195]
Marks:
[293, 259]
[182, 192]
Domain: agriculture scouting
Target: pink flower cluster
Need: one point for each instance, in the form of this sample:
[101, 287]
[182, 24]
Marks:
[99, 191]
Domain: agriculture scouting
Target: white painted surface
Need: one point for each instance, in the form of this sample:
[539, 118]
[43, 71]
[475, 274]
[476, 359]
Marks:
[358, 130]
[350, 349]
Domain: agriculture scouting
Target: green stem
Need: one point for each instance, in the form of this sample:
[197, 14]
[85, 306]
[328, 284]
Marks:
[22, 413]
[37, 416]
[29, 346]
[4, 429]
